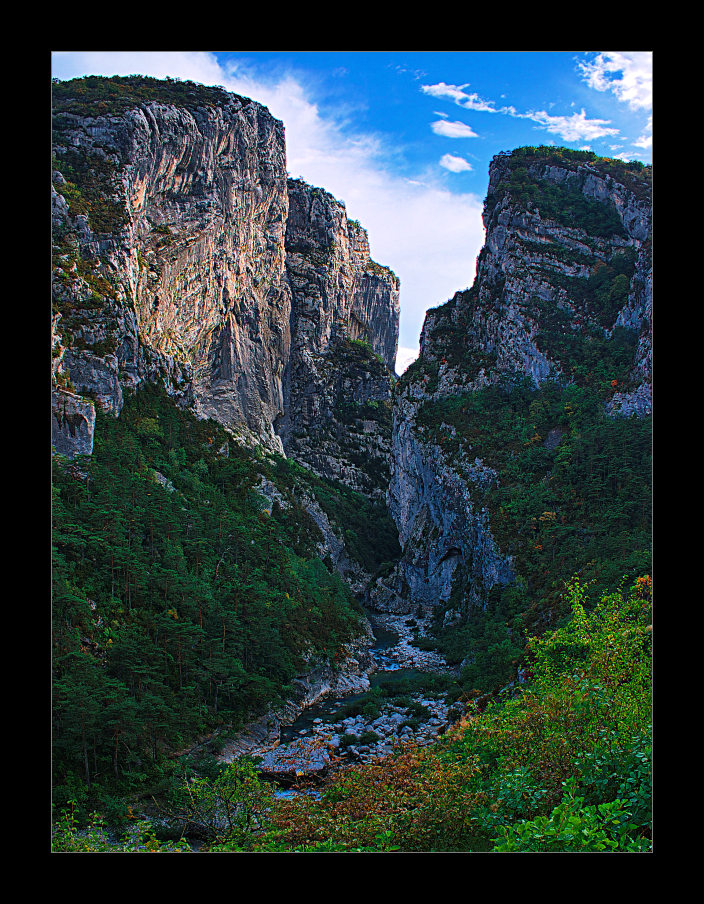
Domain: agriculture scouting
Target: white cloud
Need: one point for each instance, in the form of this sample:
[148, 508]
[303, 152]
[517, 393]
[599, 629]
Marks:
[455, 164]
[628, 74]
[427, 235]
[452, 129]
[634, 86]
[405, 357]
[646, 139]
[197, 66]
[460, 97]
[572, 128]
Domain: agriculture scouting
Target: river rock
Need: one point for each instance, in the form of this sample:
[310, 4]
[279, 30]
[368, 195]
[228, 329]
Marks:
[299, 760]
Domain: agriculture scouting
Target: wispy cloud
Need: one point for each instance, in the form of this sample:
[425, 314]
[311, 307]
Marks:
[458, 94]
[627, 74]
[645, 140]
[572, 128]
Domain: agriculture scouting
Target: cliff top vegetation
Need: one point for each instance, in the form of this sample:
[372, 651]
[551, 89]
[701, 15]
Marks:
[521, 163]
[96, 95]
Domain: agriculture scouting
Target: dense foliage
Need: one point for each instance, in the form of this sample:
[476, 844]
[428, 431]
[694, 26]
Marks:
[574, 487]
[575, 495]
[188, 591]
[565, 765]
[180, 603]
[565, 202]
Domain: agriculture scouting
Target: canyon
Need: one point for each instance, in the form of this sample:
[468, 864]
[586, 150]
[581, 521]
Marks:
[186, 257]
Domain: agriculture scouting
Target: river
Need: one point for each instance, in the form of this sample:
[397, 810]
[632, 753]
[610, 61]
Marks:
[406, 701]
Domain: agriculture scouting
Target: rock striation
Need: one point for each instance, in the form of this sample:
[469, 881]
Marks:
[443, 532]
[590, 233]
[567, 258]
[184, 254]
[189, 286]
[345, 315]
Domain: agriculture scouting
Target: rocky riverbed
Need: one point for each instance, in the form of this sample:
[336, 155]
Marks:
[361, 720]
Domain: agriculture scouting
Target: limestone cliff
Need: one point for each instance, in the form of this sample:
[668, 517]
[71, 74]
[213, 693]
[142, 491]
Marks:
[563, 285]
[176, 259]
[564, 240]
[344, 338]
[184, 254]
[187, 282]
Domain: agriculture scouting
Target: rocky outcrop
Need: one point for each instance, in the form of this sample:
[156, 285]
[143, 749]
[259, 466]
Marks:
[345, 316]
[72, 423]
[339, 291]
[195, 290]
[184, 255]
[448, 548]
[332, 547]
[566, 259]
[536, 264]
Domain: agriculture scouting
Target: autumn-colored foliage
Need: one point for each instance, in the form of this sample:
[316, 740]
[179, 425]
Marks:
[413, 799]
[564, 763]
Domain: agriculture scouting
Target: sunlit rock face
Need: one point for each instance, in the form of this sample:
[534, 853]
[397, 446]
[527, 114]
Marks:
[194, 288]
[200, 257]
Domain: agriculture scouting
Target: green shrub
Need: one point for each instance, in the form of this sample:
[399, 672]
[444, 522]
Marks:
[574, 826]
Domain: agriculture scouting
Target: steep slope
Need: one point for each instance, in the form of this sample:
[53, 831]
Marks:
[344, 338]
[170, 224]
[169, 216]
[529, 386]
[198, 297]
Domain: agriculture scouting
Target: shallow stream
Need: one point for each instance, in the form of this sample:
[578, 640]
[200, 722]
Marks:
[405, 702]
[382, 649]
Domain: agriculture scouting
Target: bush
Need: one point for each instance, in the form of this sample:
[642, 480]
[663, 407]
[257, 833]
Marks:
[574, 826]
[228, 811]
[69, 838]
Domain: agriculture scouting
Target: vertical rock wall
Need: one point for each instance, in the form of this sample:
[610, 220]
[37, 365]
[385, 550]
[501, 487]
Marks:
[192, 280]
[555, 231]
[337, 417]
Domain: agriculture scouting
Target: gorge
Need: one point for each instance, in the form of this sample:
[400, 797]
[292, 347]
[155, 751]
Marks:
[240, 477]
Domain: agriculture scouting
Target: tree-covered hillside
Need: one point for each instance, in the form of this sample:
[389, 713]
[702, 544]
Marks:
[195, 581]
[565, 766]
[184, 599]
[572, 492]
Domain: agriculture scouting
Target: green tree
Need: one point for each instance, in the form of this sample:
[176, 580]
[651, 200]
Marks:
[229, 811]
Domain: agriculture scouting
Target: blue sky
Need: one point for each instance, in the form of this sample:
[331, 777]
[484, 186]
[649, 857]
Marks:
[405, 138]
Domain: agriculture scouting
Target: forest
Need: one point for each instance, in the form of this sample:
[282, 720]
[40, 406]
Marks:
[180, 603]
[181, 606]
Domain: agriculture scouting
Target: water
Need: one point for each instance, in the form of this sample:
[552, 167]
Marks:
[384, 640]
[323, 710]
[404, 677]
